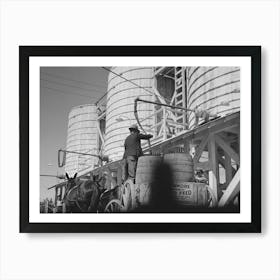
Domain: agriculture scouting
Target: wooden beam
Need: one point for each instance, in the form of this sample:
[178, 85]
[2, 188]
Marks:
[228, 137]
[235, 129]
[64, 208]
[63, 190]
[216, 126]
[46, 206]
[199, 150]
[187, 146]
[227, 149]
[100, 133]
[232, 190]
[159, 70]
[228, 168]
[157, 94]
[55, 195]
[223, 163]
[213, 165]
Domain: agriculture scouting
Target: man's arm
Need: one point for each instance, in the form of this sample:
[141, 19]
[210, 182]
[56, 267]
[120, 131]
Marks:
[145, 136]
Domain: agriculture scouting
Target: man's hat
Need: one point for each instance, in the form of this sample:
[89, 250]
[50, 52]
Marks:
[134, 127]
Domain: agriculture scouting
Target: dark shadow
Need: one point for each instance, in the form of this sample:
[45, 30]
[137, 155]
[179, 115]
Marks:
[163, 200]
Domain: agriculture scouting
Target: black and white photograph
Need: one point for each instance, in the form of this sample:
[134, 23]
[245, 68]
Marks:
[145, 145]
[139, 139]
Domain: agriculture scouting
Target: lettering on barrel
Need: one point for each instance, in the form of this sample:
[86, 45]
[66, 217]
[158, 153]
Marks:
[190, 194]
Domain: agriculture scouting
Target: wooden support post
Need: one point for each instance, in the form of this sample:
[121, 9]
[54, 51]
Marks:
[227, 149]
[199, 150]
[238, 141]
[184, 96]
[164, 130]
[98, 136]
[228, 168]
[187, 147]
[234, 129]
[62, 192]
[55, 196]
[63, 207]
[213, 184]
[222, 162]
[46, 205]
[231, 191]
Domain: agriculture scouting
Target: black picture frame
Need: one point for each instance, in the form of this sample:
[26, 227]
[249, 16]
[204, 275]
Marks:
[254, 52]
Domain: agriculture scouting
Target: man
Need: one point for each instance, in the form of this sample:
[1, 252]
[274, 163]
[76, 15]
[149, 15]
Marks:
[133, 150]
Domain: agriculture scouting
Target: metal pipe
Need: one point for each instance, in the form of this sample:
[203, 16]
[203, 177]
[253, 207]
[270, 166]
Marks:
[72, 152]
[56, 176]
[161, 104]
[102, 158]
[138, 121]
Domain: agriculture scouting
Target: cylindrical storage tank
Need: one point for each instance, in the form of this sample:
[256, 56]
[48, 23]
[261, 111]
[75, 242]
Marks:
[144, 177]
[215, 89]
[81, 138]
[181, 165]
[120, 106]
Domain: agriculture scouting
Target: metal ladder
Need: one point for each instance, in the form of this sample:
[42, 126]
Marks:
[180, 98]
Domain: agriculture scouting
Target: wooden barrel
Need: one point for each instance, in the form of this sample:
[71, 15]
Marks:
[145, 168]
[144, 177]
[182, 166]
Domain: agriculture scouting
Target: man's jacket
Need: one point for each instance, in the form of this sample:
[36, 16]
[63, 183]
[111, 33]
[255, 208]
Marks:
[132, 144]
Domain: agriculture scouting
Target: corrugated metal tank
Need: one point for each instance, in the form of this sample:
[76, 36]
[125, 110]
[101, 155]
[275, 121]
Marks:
[120, 106]
[216, 89]
[82, 137]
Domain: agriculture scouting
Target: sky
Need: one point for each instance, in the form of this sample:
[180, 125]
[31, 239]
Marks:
[62, 88]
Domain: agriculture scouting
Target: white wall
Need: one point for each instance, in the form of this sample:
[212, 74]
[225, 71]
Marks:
[138, 256]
